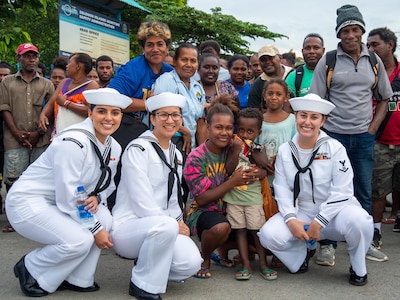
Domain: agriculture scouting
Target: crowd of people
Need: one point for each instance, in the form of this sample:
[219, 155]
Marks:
[253, 153]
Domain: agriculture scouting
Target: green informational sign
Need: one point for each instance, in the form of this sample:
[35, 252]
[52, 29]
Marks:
[82, 30]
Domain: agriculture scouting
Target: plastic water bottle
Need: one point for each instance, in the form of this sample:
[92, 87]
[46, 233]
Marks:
[85, 217]
[311, 244]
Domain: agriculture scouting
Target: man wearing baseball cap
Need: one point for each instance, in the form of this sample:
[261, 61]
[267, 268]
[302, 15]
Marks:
[270, 61]
[23, 48]
[353, 122]
[21, 98]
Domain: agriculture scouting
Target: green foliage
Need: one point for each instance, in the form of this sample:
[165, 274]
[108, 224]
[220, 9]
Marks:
[36, 21]
[12, 28]
[44, 31]
[181, 3]
[194, 26]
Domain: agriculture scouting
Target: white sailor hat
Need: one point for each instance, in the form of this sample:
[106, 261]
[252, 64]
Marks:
[107, 96]
[312, 102]
[165, 99]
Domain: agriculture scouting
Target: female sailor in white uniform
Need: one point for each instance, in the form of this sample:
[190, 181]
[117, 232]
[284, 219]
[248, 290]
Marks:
[314, 186]
[41, 205]
[147, 216]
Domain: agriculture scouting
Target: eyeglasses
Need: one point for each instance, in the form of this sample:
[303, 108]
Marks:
[164, 116]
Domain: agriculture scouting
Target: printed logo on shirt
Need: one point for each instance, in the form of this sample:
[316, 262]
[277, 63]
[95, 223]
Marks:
[394, 103]
[199, 97]
[215, 169]
[146, 93]
[342, 166]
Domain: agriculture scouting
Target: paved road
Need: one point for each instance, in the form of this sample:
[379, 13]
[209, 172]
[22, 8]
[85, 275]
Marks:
[113, 275]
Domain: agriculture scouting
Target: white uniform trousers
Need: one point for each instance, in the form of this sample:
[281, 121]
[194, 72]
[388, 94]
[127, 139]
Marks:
[70, 253]
[352, 224]
[162, 254]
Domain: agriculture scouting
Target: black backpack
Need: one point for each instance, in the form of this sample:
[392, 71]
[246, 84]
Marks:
[298, 79]
[330, 66]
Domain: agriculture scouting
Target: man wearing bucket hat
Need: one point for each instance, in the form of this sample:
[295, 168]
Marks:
[353, 122]
[41, 205]
[153, 202]
[314, 186]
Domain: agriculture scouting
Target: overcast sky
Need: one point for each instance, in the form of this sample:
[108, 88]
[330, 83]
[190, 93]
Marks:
[297, 18]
